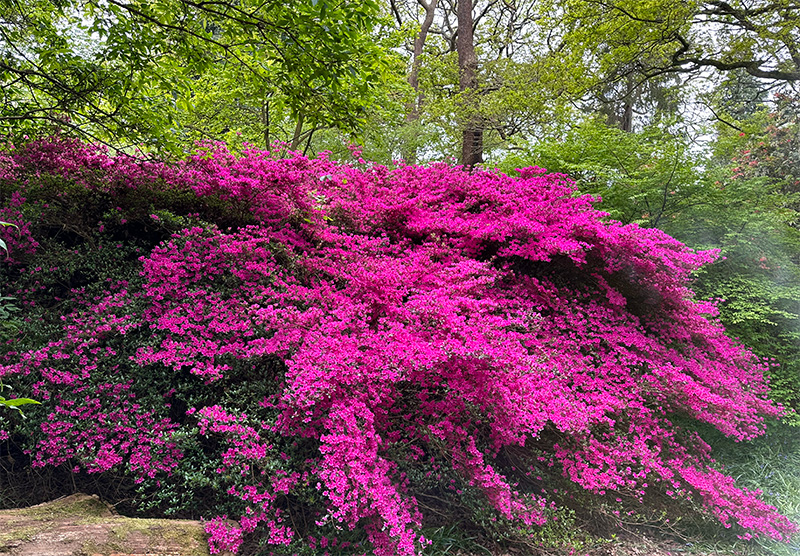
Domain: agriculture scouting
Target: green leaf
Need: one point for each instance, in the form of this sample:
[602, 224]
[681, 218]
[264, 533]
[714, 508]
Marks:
[18, 401]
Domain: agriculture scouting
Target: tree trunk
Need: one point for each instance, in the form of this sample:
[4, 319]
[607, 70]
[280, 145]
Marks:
[413, 107]
[472, 138]
[298, 132]
[626, 121]
[265, 120]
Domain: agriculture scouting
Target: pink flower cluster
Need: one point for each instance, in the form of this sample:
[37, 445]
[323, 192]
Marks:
[17, 237]
[95, 421]
[418, 310]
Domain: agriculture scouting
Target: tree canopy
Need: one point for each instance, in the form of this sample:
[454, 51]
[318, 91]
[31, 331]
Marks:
[126, 71]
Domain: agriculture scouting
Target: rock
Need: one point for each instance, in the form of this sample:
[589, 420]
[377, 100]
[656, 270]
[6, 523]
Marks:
[82, 525]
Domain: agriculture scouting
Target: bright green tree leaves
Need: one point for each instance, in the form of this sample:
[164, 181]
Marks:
[649, 178]
[132, 70]
[609, 40]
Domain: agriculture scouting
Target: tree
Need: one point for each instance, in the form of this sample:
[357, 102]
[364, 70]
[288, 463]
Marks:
[472, 140]
[648, 177]
[476, 90]
[402, 12]
[123, 70]
[619, 41]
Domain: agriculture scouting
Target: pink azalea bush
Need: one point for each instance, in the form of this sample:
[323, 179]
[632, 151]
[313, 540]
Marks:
[348, 337]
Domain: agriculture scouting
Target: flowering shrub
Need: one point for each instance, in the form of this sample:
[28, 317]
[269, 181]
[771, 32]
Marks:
[355, 336]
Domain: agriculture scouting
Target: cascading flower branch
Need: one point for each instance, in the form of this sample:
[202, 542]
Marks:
[424, 316]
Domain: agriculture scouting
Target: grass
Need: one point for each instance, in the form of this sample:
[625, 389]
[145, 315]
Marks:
[771, 464]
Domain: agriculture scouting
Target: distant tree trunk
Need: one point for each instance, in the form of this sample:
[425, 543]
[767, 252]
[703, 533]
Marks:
[298, 132]
[265, 120]
[413, 107]
[419, 44]
[626, 121]
[618, 109]
[472, 138]
[626, 118]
